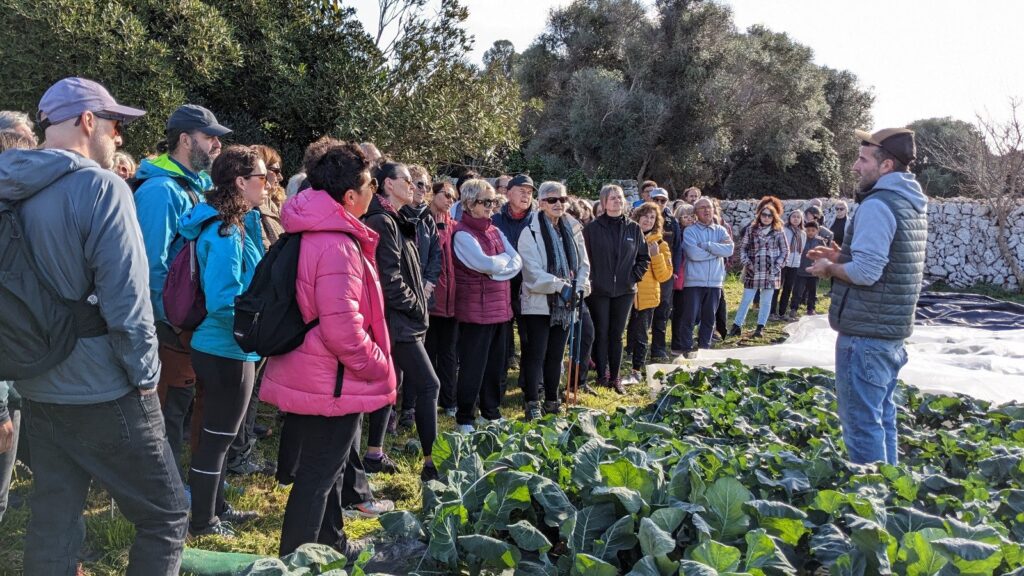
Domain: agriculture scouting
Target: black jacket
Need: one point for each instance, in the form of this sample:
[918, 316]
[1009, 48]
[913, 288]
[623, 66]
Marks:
[618, 255]
[427, 241]
[398, 264]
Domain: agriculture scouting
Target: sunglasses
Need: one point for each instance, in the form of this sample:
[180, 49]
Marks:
[261, 177]
[555, 199]
[275, 170]
[44, 124]
[421, 184]
[488, 203]
[661, 200]
[767, 214]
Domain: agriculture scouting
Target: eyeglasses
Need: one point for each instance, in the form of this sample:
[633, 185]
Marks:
[78, 122]
[556, 199]
[261, 177]
[421, 184]
[487, 202]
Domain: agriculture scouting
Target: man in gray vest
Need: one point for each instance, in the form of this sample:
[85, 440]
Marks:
[877, 279]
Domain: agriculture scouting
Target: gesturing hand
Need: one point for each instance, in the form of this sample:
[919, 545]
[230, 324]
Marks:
[829, 252]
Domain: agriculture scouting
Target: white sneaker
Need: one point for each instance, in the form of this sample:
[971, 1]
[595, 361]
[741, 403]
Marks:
[465, 429]
[633, 378]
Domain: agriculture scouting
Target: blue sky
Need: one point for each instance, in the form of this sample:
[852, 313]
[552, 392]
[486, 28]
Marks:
[921, 58]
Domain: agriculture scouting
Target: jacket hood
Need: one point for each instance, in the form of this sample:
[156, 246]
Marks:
[904, 184]
[163, 166]
[653, 237]
[315, 211]
[23, 173]
[191, 224]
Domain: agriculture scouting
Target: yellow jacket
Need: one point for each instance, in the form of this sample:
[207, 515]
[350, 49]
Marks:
[648, 290]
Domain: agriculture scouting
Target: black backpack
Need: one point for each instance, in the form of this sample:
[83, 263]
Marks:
[38, 327]
[267, 317]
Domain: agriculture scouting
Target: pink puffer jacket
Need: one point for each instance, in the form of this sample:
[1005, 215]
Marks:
[337, 283]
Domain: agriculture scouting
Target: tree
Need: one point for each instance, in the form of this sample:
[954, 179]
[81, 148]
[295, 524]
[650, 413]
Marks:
[992, 169]
[500, 59]
[937, 180]
[849, 108]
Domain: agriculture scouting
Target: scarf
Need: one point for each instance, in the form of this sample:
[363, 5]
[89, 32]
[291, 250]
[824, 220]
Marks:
[562, 262]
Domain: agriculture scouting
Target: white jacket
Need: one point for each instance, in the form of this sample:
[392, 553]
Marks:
[538, 283]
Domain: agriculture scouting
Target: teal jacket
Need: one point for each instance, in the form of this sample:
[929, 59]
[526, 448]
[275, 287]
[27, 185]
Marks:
[160, 202]
[226, 266]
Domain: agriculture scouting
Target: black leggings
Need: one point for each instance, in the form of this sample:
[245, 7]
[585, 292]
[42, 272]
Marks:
[440, 345]
[637, 336]
[542, 358]
[228, 384]
[610, 315]
[420, 389]
[481, 364]
[780, 298]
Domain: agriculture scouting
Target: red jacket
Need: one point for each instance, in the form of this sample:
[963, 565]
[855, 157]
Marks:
[481, 299]
[337, 283]
[444, 292]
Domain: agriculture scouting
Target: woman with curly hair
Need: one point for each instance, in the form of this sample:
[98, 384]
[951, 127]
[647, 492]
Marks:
[228, 246]
[763, 254]
[648, 291]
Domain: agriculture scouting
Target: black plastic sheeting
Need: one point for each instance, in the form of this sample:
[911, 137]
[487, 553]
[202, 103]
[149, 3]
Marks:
[969, 310]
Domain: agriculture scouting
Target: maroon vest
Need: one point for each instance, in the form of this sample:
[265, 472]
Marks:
[481, 300]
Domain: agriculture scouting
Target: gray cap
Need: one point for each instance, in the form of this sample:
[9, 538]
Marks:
[190, 118]
[70, 97]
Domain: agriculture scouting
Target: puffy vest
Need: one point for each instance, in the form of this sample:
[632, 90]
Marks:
[886, 308]
[479, 299]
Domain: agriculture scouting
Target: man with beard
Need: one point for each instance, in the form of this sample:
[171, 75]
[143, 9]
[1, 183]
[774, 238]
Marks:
[167, 187]
[877, 279]
[92, 414]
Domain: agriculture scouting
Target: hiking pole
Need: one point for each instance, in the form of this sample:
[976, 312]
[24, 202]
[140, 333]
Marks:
[569, 391]
[575, 346]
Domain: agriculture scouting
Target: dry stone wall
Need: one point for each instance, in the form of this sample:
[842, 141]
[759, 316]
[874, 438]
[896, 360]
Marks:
[962, 248]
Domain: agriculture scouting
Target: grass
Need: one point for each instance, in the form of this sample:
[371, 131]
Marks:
[109, 536]
[990, 290]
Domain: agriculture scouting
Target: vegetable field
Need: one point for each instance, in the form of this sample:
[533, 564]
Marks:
[730, 470]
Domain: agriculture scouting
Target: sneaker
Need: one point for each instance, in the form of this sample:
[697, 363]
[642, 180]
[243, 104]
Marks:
[232, 516]
[465, 429]
[382, 464]
[691, 355]
[533, 411]
[428, 473]
[222, 529]
[407, 420]
[633, 378]
[552, 407]
[251, 465]
[735, 331]
[370, 508]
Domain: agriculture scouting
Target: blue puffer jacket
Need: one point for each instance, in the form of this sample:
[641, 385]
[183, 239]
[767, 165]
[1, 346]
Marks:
[160, 202]
[225, 268]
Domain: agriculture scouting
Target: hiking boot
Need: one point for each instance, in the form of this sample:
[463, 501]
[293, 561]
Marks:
[533, 411]
[370, 508]
[735, 331]
[616, 385]
[407, 420]
[759, 331]
[429, 473]
[222, 529]
[384, 464]
[552, 407]
[633, 378]
[233, 517]
[253, 465]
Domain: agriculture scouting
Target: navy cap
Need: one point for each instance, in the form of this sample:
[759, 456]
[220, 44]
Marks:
[70, 97]
[521, 180]
[190, 118]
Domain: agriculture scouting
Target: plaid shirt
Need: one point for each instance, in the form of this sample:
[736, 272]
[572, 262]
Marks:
[763, 254]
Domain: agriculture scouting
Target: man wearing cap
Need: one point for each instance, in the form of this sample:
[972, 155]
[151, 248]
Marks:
[95, 415]
[673, 236]
[512, 219]
[167, 187]
[877, 279]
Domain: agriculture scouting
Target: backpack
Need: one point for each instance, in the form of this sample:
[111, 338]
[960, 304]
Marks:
[38, 327]
[183, 297]
[267, 317]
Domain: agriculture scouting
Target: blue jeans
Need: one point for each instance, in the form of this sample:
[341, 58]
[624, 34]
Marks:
[866, 373]
[121, 444]
[762, 312]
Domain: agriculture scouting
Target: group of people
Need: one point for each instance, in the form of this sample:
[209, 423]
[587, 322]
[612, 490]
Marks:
[411, 291]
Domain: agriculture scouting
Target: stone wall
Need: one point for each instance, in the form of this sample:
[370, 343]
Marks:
[962, 249]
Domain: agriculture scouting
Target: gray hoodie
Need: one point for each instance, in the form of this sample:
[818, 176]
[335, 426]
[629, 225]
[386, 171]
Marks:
[80, 222]
[876, 227]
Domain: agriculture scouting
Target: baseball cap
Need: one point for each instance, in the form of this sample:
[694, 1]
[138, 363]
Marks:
[659, 193]
[896, 141]
[70, 97]
[521, 180]
[191, 117]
